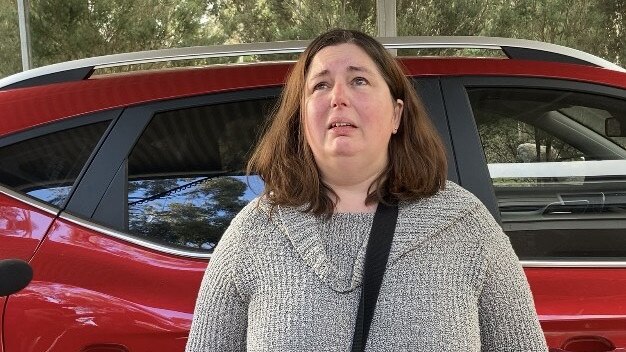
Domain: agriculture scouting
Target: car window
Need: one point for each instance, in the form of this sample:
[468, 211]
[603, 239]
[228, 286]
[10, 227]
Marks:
[186, 174]
[557, 161]
[46, 167]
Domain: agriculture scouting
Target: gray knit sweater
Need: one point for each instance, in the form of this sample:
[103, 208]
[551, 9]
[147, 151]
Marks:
[292, 283]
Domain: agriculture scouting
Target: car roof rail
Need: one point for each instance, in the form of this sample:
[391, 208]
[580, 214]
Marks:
[513, 48]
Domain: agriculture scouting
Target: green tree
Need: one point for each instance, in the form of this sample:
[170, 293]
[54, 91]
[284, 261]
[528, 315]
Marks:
[269, 20]
[72, 29]
[455, 17]
[10, 59]
[593, 26]
[614, 23]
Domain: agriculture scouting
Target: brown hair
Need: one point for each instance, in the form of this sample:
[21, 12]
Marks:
[283, 159]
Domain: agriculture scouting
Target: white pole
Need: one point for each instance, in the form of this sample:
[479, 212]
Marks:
[386, 18]
[22, 13]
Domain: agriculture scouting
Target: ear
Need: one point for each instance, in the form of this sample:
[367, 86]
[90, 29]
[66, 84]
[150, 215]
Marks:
[397, 114]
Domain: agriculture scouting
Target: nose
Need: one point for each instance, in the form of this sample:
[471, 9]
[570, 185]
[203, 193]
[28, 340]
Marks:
[339, 96]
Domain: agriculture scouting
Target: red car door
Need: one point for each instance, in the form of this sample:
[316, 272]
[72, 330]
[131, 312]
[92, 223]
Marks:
[550, 161]
[92, 292]
[22, 227]
[38, 168]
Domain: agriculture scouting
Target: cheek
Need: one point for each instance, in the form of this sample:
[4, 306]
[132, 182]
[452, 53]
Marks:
[307, 129]
[378, 113]
[308, 122]
[314, 115]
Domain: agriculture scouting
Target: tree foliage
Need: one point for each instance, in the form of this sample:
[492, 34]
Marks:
[72, 29]
[457, 17]
[593, 26]
[190, 217]
[10, 59]
[269, 20]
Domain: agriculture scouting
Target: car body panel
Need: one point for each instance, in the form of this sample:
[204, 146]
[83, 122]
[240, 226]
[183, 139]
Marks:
[22, 227]
[76, 98]
[89, 289]
[451, 67]
[580, 302]
[2, 304]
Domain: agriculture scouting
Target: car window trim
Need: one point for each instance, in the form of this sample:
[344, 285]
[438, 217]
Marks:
[540, 83]
[57, 126]
[430, 92]
[573, 264]
[467, 148]
[33, 202]
[81, 120]
[89, 202]
[126, 237]
[458, 85]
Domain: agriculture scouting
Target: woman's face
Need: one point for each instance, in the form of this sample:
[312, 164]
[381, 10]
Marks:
[349, 111]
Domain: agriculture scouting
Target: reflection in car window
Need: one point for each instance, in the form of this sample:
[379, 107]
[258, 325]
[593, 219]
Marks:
[46, 167]
[559, 178]
[191, 212]
[186, 174]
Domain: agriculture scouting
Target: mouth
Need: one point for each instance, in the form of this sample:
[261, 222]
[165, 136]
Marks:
[340, 124]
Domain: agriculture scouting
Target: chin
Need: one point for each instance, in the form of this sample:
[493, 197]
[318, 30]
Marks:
[343, 152]
[345, 148]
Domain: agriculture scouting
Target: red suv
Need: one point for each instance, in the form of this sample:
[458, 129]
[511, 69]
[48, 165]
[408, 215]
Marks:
[115, 188]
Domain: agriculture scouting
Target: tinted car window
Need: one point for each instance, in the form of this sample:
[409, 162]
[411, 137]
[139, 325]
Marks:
[186, 173]
[46, 167]
[560, 180]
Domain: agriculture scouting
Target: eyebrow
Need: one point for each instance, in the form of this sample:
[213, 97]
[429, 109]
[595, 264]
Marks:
[350, 68]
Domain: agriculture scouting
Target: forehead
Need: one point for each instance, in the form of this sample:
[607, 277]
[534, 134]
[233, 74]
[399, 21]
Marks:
[340, 57]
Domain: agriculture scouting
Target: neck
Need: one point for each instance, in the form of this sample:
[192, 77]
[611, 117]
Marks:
[348, 202]
[351, 187]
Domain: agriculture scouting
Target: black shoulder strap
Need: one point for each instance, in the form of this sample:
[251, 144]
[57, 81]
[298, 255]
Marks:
[376, 256]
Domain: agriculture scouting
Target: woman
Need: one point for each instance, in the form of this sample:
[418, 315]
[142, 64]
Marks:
[349, 134]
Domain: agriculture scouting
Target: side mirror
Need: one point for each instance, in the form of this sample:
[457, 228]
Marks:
[614, 128]
[15, 274]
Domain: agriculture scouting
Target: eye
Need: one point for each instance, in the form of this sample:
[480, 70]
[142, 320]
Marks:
[320, 85]
[359, 81]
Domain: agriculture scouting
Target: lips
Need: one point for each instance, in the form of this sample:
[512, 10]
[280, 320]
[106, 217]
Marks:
[340, 124]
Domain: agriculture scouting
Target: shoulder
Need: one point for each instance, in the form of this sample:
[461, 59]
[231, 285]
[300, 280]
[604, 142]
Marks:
[448, 206]
[450, 200]
[234, 255]
[253, 219]
[452, 221]
[465, 218]
[255, 212]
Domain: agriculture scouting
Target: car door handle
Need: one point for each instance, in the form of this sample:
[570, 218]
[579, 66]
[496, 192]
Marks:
[105, 347]
[618, 349]
[587, 344]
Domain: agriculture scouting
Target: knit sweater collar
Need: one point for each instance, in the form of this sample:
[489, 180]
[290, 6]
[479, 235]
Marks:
[417, 221]
[302, 230]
